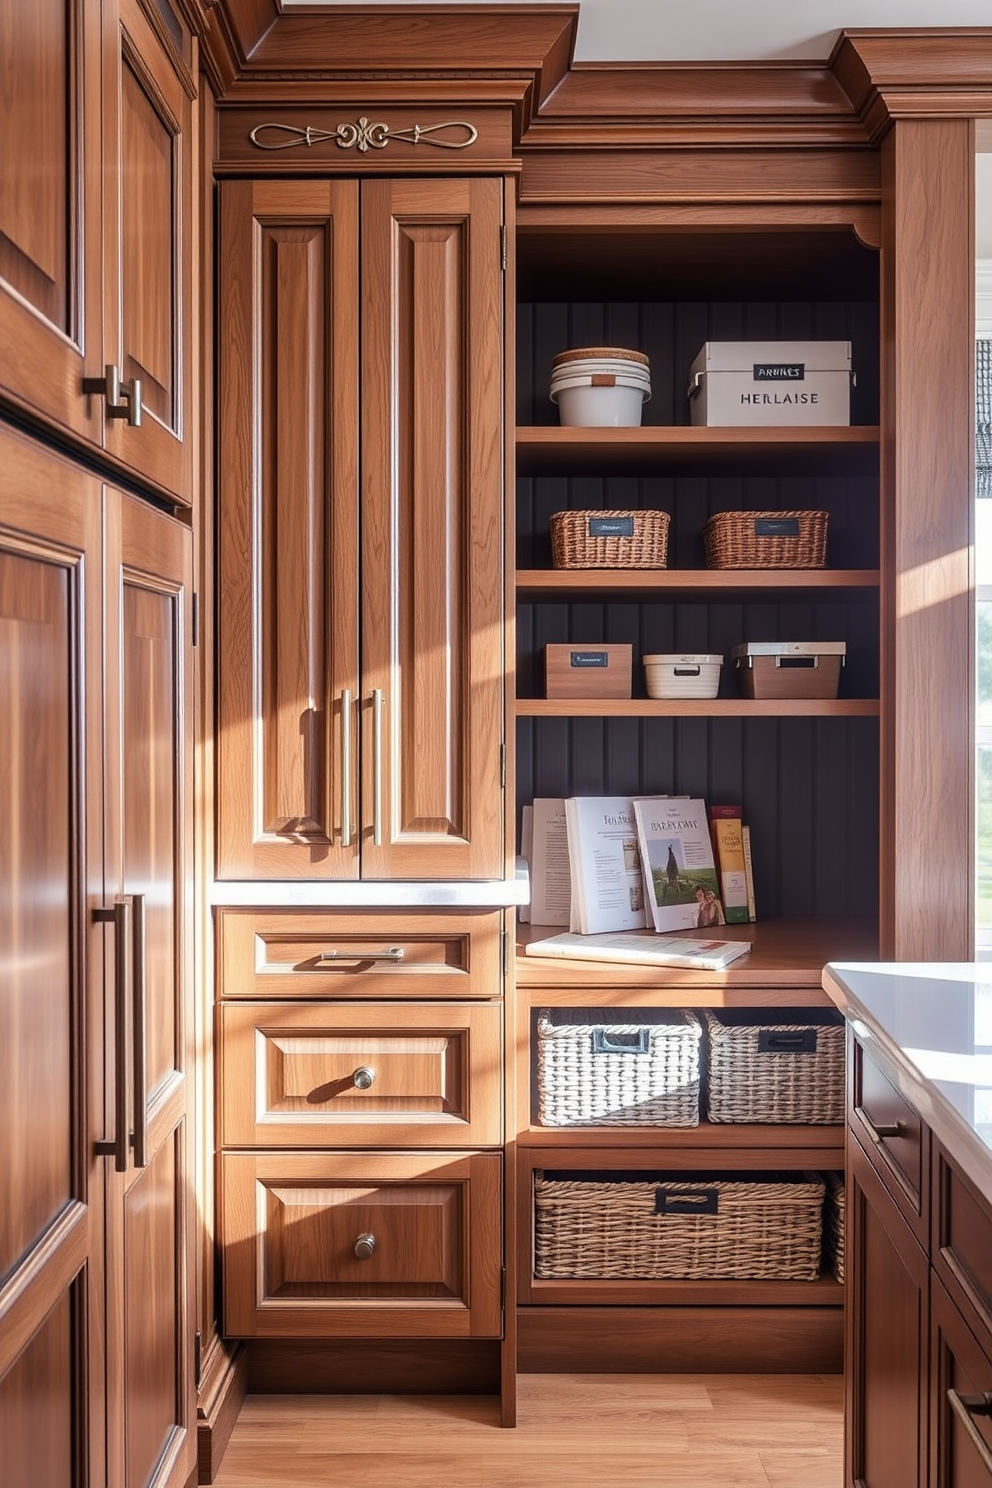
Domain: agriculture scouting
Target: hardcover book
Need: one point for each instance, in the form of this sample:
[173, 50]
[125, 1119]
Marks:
[550, 888]
[677, 851]
[642, 950]
[605, 864]
[727, 832]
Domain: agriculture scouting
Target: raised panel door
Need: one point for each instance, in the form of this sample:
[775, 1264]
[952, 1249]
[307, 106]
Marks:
[50, 257]
[887, 1308]
[960, 1398]
[432, 579]
[151, 1397]
[148, 205]
[51, 1244]
[287, 744]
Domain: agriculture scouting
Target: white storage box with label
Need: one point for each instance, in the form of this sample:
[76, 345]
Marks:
[765, 383]
[687, 676]
[600, 386]
[789, 669]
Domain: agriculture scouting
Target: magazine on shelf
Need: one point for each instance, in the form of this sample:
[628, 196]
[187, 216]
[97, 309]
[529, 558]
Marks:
[677, 850]
[605, 865]
[642, 950]
[550, 888]
[527, 853]
[727, 831]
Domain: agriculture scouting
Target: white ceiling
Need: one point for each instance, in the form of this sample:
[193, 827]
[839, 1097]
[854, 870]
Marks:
[727, 30]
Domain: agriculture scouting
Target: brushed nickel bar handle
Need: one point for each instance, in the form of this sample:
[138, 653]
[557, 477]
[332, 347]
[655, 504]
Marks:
[377, 766]
[120, 917]
[392, 953]
[123, 399]
[346, 767]
[966, 1406]
[139, 1026]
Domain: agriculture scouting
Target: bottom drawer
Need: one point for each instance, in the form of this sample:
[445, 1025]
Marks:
[379, 1245]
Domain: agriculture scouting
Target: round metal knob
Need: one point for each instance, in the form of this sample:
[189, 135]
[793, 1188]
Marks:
[363, 1077]
[365, 1247]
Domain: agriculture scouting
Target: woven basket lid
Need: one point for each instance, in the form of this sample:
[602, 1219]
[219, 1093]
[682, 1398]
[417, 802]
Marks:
[599, 353]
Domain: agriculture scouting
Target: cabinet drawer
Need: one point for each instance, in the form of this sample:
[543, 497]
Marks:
[354, 1075]
[376, 953]
[960, 1395]
[893, 1135]
[365, 1245]
[962, 1240]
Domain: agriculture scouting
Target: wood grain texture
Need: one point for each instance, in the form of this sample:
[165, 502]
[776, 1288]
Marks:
[961, 1241]
[778, 1340]
[373, 1366]
[960, 1359]
[288, 1075]
[562, 450]
[288, 529]
[574, 1431]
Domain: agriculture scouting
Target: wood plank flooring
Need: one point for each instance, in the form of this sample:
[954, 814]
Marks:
[574, 1431]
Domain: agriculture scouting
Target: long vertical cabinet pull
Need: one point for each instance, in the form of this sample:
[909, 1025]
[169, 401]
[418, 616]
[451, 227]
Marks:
[122, 920]
[346, 767]
[139, 1067]
[377, 766]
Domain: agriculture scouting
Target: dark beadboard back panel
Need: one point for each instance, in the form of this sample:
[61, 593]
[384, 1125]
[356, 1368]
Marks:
[808, 787]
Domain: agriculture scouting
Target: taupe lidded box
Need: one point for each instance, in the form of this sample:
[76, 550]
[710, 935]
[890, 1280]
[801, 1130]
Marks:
[789, 669]
[766, 383]
[588, 671]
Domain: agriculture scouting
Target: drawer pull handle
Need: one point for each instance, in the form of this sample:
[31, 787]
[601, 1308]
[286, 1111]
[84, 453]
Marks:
[966, 1406]
[887, 1129]
[391, 953]
[364, 1077]
[365, 1247]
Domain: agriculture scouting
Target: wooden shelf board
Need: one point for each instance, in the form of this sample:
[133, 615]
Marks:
[826, 1292]
[782, 969]
[716, 1139]
[669, 449]
[697, 707]
[673, 583]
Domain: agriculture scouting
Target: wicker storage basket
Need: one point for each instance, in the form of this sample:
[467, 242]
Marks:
[785, 1065]
[763, 539]
[609, 539]
[640, 1226]
[618, 1074]
[835, 1223]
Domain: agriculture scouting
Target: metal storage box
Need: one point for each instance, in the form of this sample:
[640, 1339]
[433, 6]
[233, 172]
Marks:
[780, 1065]
[767, 383]
[640, 1072]
[789, 669]
[656, 1227]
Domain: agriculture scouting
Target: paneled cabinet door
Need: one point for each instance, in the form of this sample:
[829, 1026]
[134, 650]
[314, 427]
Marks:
[885, 1368]
[150, 1305]
[961, 1398]
[51, 1193]
[418, 714]
[51, 289]
[148, 233]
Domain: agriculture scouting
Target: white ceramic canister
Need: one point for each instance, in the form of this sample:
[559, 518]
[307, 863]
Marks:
[604, 386]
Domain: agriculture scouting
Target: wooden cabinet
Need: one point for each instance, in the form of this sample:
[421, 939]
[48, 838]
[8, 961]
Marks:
[96, 228]
[961, 1397]
[361, 652]
[96, 1307]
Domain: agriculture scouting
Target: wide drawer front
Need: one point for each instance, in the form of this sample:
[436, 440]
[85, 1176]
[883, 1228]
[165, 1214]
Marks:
[362, 1245]
[375, 953]
[893, 1135]
[962, 1240]
[357, 1075]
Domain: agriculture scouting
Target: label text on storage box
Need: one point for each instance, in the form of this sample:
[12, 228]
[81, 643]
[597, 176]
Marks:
[779, 371]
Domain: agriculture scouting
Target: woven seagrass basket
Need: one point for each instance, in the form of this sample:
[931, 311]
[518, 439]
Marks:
[618, 1074]
[764, 539]
[786, 1067]
[609, 539]
[644, 1227]
[836, 1223]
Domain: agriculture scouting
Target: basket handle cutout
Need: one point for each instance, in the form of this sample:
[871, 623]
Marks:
[634, 1042]
[686, 1201]
[803, 1041]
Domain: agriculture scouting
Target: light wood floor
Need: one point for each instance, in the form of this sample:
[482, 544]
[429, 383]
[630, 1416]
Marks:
[574, 1431]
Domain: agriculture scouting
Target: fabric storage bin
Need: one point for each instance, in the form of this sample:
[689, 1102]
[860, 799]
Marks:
[639, 1072]
[670, 676]
[670, 1226]
[766, 539]
[600, 386]
[777, 1065]
[609, 539]
[766, 383]
[789, 669]
[835, 1224]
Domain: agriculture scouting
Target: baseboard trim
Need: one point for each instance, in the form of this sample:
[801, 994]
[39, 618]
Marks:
[365, 1366]
[223, 1386]
[680, 1340]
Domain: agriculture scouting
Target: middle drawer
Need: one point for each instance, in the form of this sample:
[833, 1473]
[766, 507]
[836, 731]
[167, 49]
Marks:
[355, 1075]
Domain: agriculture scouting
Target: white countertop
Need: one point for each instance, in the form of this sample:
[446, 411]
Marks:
[930, 1026]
